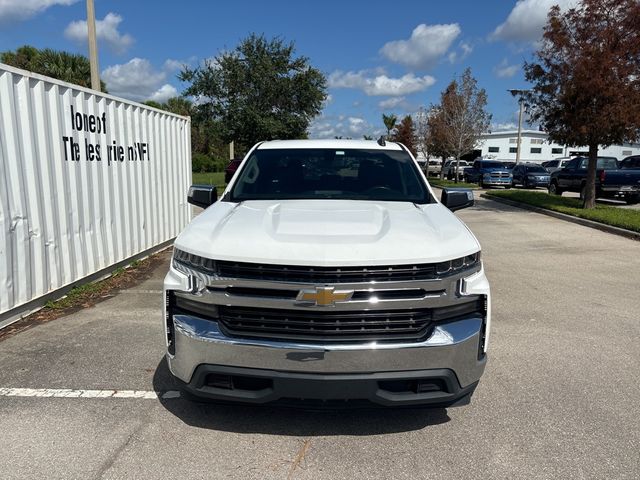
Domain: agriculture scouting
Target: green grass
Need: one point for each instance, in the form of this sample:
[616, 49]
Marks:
[436, 182]
[609, 215]
[215, 178]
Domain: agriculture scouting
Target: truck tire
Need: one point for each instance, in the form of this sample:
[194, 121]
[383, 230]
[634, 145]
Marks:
[554, 189]
[632, 199]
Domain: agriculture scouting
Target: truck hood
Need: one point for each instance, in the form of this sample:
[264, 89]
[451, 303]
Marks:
[327, 233]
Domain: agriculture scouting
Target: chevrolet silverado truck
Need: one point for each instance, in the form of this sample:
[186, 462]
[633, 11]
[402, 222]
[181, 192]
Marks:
[328, 273]
[611, 181]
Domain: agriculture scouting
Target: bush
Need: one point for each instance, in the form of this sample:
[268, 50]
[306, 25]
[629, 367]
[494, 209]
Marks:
[201, 163]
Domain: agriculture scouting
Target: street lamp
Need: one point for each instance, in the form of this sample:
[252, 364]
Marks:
[521, 93]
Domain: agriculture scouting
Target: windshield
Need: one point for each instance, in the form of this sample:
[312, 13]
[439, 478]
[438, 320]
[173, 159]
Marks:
[536, 169]
[492, 165]
[353, 174]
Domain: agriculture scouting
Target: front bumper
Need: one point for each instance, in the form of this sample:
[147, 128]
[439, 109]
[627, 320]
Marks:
[349, 371]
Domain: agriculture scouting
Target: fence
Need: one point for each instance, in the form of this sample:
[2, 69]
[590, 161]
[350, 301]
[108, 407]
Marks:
[87, 180]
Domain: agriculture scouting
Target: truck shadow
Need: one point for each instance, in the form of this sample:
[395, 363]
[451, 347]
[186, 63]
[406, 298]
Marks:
[292, 421]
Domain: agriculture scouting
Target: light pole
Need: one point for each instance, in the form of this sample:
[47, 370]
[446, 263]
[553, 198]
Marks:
[519, 92]
[93, 46]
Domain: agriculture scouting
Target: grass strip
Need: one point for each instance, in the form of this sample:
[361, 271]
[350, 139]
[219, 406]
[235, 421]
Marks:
[212, 178]
[609, 215]
[436, 182]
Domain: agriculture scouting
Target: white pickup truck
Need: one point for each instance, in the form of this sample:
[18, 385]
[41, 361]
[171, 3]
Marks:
[328, 273]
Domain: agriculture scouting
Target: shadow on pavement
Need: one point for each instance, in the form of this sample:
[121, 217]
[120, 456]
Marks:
[292, 421]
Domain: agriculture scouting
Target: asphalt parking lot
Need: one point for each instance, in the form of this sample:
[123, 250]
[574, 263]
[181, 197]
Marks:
[559, 398]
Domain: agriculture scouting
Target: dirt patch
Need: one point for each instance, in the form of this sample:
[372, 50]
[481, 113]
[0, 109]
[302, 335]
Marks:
[89, 294]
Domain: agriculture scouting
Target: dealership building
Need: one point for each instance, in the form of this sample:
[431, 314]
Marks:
[536, 147]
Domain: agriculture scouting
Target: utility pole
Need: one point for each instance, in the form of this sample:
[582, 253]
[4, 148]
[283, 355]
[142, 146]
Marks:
[93, 46]
[520, 93]
[519, 132]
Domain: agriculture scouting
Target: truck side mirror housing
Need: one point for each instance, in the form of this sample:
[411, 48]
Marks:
[202, 195]
[457, 198]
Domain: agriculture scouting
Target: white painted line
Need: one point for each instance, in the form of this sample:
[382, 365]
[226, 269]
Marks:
[69, 393]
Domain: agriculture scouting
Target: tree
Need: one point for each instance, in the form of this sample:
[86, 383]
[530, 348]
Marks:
[405, 133]
[389, 122]
[462, 116]
[258, 91]
[586, 78]
[65, 66]
[422, 134]
[436, 141]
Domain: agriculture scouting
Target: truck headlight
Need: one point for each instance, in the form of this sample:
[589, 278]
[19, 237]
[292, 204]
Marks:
[189, 263]
[458, 264]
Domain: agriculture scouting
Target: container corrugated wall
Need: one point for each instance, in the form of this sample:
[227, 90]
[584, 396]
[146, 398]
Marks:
[86, 181]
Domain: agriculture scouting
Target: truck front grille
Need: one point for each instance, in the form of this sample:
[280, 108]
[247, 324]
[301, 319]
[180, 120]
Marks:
[339, 326]
[286, 273]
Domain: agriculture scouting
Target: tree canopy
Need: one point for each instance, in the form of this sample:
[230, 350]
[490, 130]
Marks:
[456, 123]
[389, 122]
[68, 67]
[405, 133]
[586, 78]
[258, 91]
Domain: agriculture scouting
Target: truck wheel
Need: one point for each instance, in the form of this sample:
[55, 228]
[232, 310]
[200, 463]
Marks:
[554, 190]
[583, 192]
[632, 199]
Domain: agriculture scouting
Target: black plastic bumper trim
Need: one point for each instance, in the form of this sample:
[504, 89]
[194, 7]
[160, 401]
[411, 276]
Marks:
[300, 387]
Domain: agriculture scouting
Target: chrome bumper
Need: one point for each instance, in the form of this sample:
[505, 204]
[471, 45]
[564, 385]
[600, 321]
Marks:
[452, 346]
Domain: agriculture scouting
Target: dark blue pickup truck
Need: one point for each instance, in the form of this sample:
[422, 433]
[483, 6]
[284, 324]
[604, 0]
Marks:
[611, 181]
[488, 173]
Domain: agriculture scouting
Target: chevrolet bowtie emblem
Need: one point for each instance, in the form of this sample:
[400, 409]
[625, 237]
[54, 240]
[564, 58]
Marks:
[324, 296]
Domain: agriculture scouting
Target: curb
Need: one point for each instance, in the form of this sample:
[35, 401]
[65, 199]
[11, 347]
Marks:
[623, 232]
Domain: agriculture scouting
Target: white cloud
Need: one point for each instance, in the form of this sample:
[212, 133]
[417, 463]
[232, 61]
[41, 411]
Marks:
[12, 10]
[106, 32]
[465, 51]
[526, 20]
[391, 103]
[172, 65]
[164, 93]
[330, 126]
[380, 84]
[497, 127]
[138, 80]
[425, 46]
[504, 70]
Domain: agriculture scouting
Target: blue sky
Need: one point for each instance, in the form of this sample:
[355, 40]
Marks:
[390, 57]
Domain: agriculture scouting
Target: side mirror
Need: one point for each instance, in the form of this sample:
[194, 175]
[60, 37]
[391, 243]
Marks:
[457, 198]
[202, 195]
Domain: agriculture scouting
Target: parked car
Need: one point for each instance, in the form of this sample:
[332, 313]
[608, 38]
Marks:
[630, 163]
[488, 173]
[435, 165]
[553, 165]
[300, 283]
[611, 181]
[231, 168]
[530, 175]
[449, 168]
[509, 165]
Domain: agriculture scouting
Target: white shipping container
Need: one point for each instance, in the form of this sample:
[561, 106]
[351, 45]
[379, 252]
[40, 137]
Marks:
[87, 180]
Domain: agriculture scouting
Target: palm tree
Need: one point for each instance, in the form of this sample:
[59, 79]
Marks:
[65, 66]
[389, 122]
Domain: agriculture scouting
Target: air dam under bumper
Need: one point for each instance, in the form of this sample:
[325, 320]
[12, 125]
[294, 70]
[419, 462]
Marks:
[443, 370]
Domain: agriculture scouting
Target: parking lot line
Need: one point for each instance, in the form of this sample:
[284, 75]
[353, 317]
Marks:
[71, 393]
